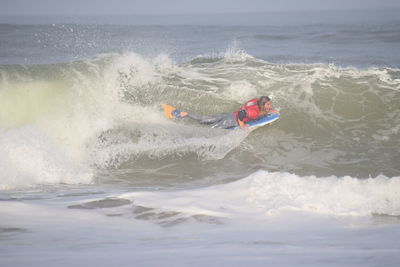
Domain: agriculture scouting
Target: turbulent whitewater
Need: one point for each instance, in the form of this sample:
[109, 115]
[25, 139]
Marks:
[71, 120]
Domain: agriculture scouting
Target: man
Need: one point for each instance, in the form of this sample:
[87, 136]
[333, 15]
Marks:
[251, 110]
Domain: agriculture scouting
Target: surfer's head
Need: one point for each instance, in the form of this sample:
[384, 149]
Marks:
[264, 103]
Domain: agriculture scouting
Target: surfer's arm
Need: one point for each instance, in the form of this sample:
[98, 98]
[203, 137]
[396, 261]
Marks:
[241, 116]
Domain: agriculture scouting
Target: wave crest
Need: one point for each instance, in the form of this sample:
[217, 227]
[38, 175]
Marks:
[331, 195]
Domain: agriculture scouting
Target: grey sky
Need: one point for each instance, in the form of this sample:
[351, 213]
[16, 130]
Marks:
[113, 7]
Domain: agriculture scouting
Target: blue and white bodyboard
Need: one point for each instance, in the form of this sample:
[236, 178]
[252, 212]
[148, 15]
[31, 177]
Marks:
[261, 121]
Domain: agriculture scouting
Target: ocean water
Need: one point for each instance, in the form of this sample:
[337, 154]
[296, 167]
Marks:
[92, 172]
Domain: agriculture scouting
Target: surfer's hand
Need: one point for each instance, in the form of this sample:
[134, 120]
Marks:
[242, 125]
[184, 114]
[274, 111]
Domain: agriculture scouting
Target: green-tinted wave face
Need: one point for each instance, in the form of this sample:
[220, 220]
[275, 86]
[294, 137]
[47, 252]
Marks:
[106, 113]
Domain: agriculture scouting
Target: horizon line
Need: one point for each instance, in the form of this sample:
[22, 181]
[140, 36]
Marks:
[204, 13]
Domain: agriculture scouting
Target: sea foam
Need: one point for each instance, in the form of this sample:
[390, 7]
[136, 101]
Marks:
[266, 193]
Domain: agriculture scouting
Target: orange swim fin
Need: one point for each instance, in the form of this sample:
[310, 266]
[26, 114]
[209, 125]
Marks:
[169, 110]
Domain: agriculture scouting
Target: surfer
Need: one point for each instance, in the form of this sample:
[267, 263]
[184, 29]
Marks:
[251, 110]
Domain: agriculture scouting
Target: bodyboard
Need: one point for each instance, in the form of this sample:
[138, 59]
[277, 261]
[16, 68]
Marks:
[261, 121]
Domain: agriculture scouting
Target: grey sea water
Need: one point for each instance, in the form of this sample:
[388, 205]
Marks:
[352, 37]
[89, 162]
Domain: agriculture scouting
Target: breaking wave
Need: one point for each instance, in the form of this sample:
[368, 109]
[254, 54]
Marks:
[60, 123]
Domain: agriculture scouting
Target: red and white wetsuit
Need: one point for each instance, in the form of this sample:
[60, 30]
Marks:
[252, 110]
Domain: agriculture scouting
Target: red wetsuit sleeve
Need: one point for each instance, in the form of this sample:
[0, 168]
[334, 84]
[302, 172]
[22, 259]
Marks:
[253, 112]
